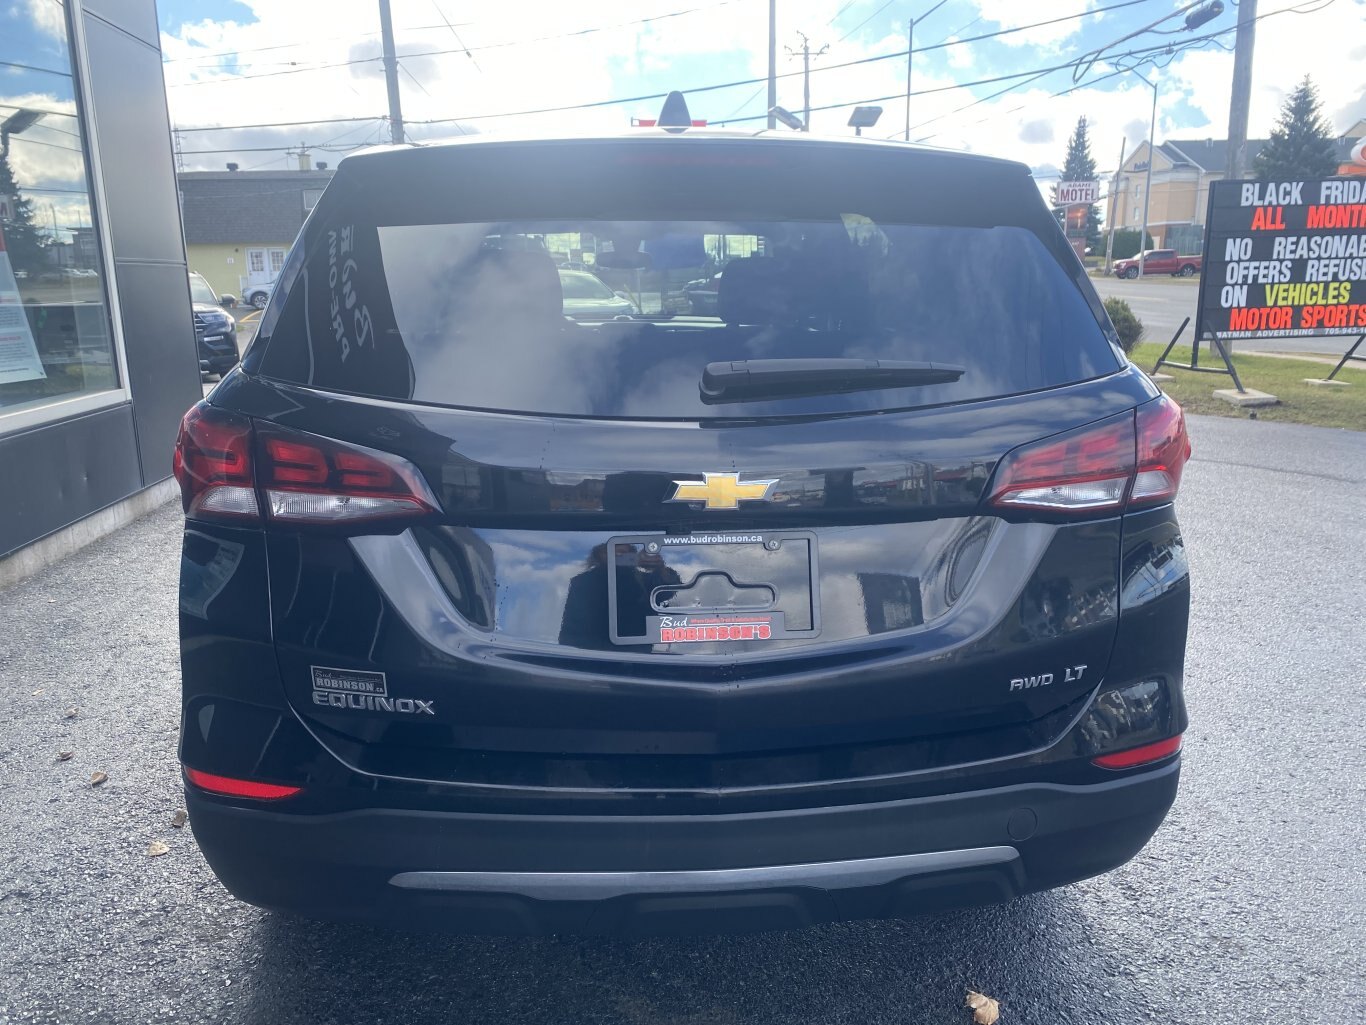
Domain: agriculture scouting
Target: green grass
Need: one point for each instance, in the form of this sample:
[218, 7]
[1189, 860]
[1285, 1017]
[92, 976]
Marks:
[1321, 405]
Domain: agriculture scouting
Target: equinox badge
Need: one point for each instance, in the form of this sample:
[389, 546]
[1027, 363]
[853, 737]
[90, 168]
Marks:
[722, 490]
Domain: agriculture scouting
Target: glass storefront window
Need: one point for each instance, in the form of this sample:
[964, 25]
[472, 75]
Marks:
[55, 337]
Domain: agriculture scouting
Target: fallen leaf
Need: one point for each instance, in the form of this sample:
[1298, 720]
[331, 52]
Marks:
[64, 756]
[156, 849]
[985, 1011]
[97, 777]
[180, 818]
[71, 713]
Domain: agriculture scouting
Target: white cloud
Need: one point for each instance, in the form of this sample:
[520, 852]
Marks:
[1289, 46]
[959, 57]
[1193, 98]
[1016, 13]
[47, 17]
[48, 152]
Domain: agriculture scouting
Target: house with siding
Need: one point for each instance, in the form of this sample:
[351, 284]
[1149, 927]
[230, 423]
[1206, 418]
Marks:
[240, 224]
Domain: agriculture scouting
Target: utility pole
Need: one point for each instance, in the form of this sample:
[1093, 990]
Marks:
[301, 154]
[1147, 182]
[772, 62]
[1236, 167]
[910, 51]
[1114, 208]
[386, 31]
[806, 53]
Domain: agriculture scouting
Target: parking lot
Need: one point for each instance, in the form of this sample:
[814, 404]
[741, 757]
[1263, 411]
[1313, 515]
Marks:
[1245, 908]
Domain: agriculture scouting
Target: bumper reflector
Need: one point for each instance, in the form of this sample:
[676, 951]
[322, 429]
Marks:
[1140, 755]
[229, 787]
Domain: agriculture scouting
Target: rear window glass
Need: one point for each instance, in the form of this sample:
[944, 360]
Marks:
[592, 316]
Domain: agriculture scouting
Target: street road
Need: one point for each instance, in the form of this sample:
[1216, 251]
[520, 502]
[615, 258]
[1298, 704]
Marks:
[1246, 907]
[1163, 302]
[247, 321]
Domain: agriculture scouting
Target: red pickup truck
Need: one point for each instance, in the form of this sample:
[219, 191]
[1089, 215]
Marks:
[1159, 261]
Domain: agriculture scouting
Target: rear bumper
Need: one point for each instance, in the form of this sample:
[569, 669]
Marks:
[637, 875]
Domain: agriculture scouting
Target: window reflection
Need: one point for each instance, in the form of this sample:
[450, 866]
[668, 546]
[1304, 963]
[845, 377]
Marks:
[55, 337]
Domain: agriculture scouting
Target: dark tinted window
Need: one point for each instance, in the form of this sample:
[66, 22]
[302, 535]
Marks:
[476, 312]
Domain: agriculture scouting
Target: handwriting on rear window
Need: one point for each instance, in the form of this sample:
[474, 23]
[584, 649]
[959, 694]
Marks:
[345, 305]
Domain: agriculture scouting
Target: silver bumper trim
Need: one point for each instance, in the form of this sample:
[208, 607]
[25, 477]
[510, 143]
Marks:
[825, 875]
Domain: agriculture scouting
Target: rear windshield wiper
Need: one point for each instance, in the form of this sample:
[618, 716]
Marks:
[738, 380]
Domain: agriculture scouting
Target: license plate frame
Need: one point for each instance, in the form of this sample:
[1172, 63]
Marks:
[649, 606]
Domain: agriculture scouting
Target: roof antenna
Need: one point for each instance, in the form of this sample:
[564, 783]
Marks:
[674, 116]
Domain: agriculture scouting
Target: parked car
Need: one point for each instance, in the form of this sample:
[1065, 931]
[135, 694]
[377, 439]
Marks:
[702, 293]
[215, 330]
[862, 597]
[1159, 261]
[257, 295]
[587, 297]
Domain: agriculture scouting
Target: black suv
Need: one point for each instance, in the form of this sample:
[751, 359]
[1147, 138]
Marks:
[215, 330]
[860, 596]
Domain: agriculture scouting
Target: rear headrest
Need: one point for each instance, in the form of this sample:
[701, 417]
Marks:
[515, 283]
[771, 290]
[757, 290]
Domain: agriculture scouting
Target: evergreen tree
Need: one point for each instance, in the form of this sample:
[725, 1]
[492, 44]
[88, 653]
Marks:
[1301, 144]
[23, 241]
[1080, 166]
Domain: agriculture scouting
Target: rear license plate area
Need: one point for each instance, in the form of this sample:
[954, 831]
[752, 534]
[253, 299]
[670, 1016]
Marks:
[697, 591]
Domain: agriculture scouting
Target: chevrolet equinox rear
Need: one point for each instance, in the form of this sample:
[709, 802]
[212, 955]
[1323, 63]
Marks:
[859, 595]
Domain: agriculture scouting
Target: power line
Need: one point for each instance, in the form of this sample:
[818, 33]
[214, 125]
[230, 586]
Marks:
[1035, 73]
[829, 67]
[457, 38]
[290, 46]
[787, 74]
[280, 124]
[274, 149]
[1171, 51]
[464, 49]
[932, 10]
[843, 7]
[276, 74]
[1031, 75]
[865, 21]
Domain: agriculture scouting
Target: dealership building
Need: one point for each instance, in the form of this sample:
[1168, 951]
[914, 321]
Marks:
[97, 351]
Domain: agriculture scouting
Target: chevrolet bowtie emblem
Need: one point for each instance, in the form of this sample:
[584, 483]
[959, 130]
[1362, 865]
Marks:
[722, 490]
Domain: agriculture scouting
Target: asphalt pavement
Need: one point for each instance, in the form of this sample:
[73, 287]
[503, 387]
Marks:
[1163, 302]
[247, 321]
[1246, 907]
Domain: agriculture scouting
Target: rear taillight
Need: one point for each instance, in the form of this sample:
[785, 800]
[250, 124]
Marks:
[229, 786]
[212, 462]
[1144, 755]
[1080, 471]
[1130, 460]
[223, 461]
[1163, 448]
[308, 479]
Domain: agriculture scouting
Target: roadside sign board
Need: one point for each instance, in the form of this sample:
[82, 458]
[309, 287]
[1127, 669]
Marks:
[1070, 193]
[8, 207]
[1284, 259]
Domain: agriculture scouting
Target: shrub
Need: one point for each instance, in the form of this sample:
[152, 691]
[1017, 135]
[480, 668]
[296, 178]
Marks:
[1129, 327]
[1126, 243]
